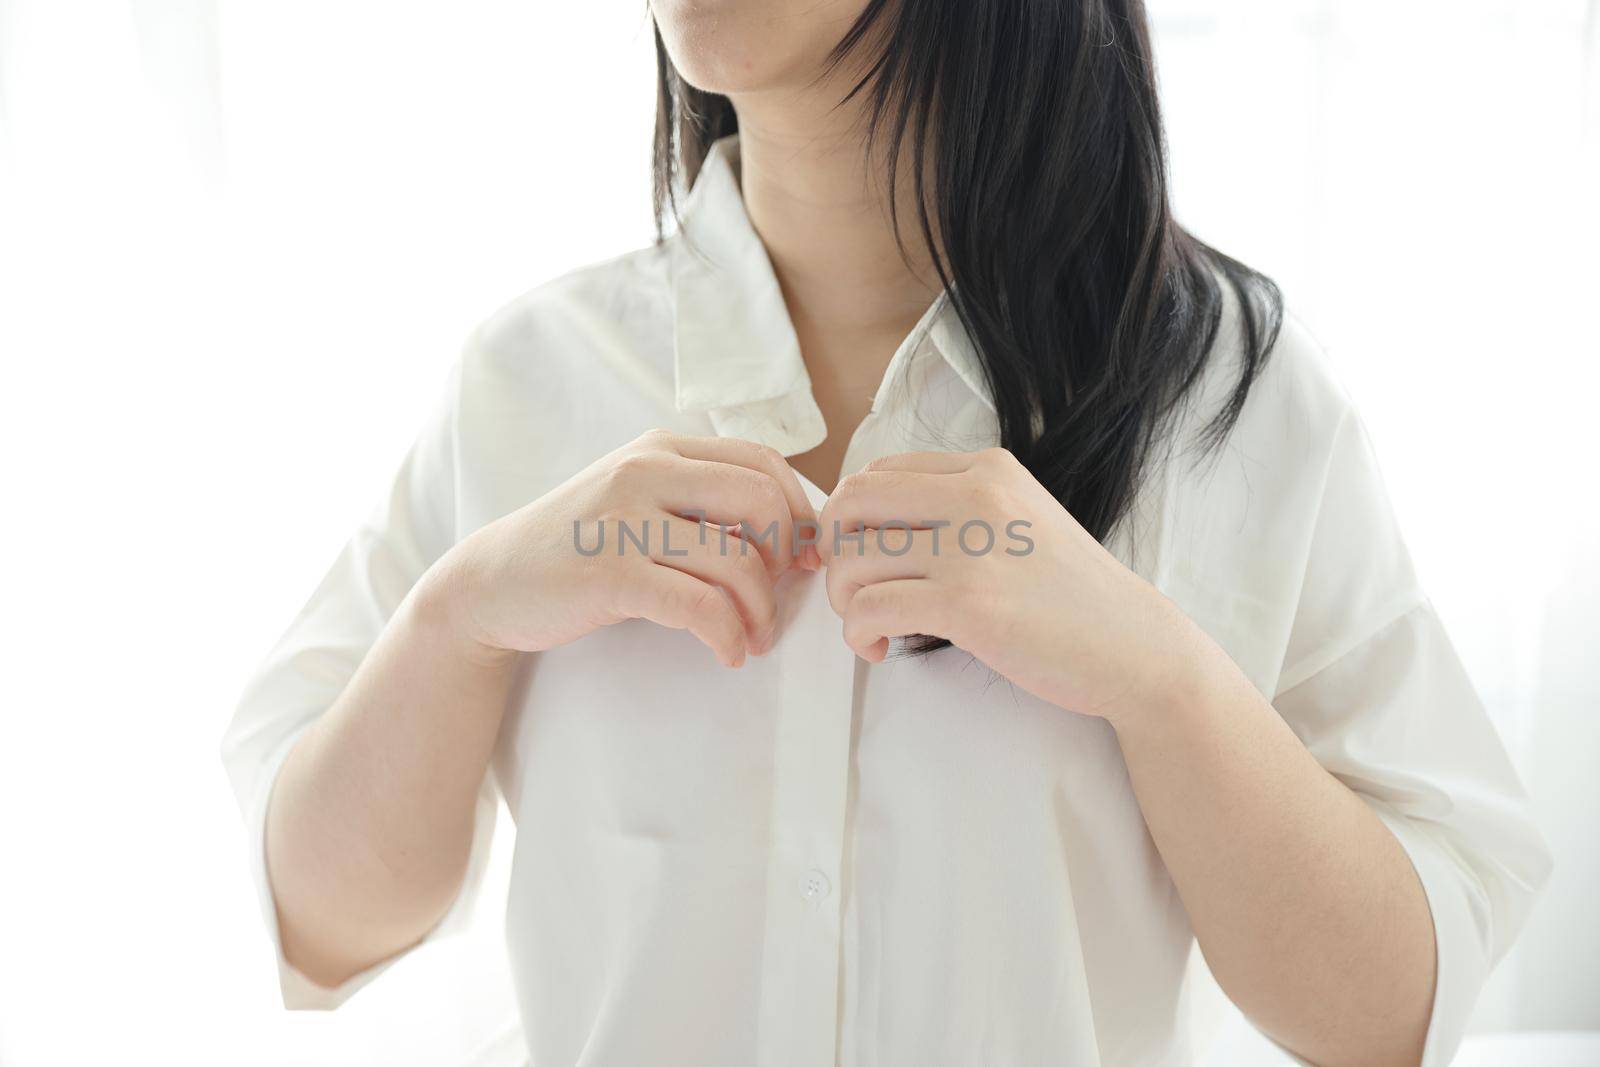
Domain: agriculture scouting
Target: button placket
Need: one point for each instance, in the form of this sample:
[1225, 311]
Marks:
[798, 1023]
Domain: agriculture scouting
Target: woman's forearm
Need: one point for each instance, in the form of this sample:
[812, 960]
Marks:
[369, 829]
[1305, 904]
[1309, 912]
[370, 824]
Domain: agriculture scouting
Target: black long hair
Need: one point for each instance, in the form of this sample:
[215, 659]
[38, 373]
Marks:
[1034, 129]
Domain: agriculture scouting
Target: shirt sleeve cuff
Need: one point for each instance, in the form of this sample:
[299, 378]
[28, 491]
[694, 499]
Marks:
[299, 992]
[1461, 964]
[1460, 915]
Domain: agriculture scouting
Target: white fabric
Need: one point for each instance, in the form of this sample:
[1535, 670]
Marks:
[812, 860]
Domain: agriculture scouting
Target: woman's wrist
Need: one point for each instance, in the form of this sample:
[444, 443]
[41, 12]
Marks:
[442, 606]
[1183, 671]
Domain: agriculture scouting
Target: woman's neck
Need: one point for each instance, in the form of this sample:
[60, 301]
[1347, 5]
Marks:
[821, 208]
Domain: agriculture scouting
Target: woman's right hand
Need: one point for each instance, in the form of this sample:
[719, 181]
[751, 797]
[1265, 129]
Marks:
[520, 584]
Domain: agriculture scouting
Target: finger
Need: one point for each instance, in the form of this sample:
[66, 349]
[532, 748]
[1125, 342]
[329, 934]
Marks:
[680, 601]
[741, 453]
[895, 609]
[880, 556]
[721, 494]
[924, 462]
[888, 498]
[727, 561]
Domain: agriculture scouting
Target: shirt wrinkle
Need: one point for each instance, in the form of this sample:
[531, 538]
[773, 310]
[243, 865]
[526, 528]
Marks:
[812, 860]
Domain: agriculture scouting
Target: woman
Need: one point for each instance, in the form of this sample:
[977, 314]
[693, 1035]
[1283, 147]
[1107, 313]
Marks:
[924, 283]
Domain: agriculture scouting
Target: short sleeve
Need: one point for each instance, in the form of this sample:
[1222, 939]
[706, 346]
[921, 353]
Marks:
[411, 526]
[1376, 692]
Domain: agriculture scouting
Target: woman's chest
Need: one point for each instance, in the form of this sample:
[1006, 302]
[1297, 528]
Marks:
[642, 732]
[914, 852]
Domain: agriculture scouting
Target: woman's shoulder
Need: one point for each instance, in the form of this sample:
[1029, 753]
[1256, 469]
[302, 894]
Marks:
[1296, 406]
[624, 299]
[558, 376]
[1258, 490]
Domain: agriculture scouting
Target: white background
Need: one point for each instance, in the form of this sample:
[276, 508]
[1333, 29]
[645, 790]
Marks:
[240, 244]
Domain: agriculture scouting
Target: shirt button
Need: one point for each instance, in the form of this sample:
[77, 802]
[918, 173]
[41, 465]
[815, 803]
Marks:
[814, 885]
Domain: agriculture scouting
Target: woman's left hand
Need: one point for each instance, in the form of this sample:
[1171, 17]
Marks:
[971, 548]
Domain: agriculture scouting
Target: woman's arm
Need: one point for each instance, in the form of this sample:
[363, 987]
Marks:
[1306, 907]
[370, 823]
[1317, 906]
[371, 818]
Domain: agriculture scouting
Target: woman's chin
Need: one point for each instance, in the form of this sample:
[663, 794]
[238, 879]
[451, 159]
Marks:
[732, 47]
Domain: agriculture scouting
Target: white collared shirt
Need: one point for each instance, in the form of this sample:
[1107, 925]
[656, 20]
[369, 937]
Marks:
[816, 861]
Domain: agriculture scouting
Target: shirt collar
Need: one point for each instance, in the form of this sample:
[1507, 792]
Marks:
[735, 351]
[950, 338]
